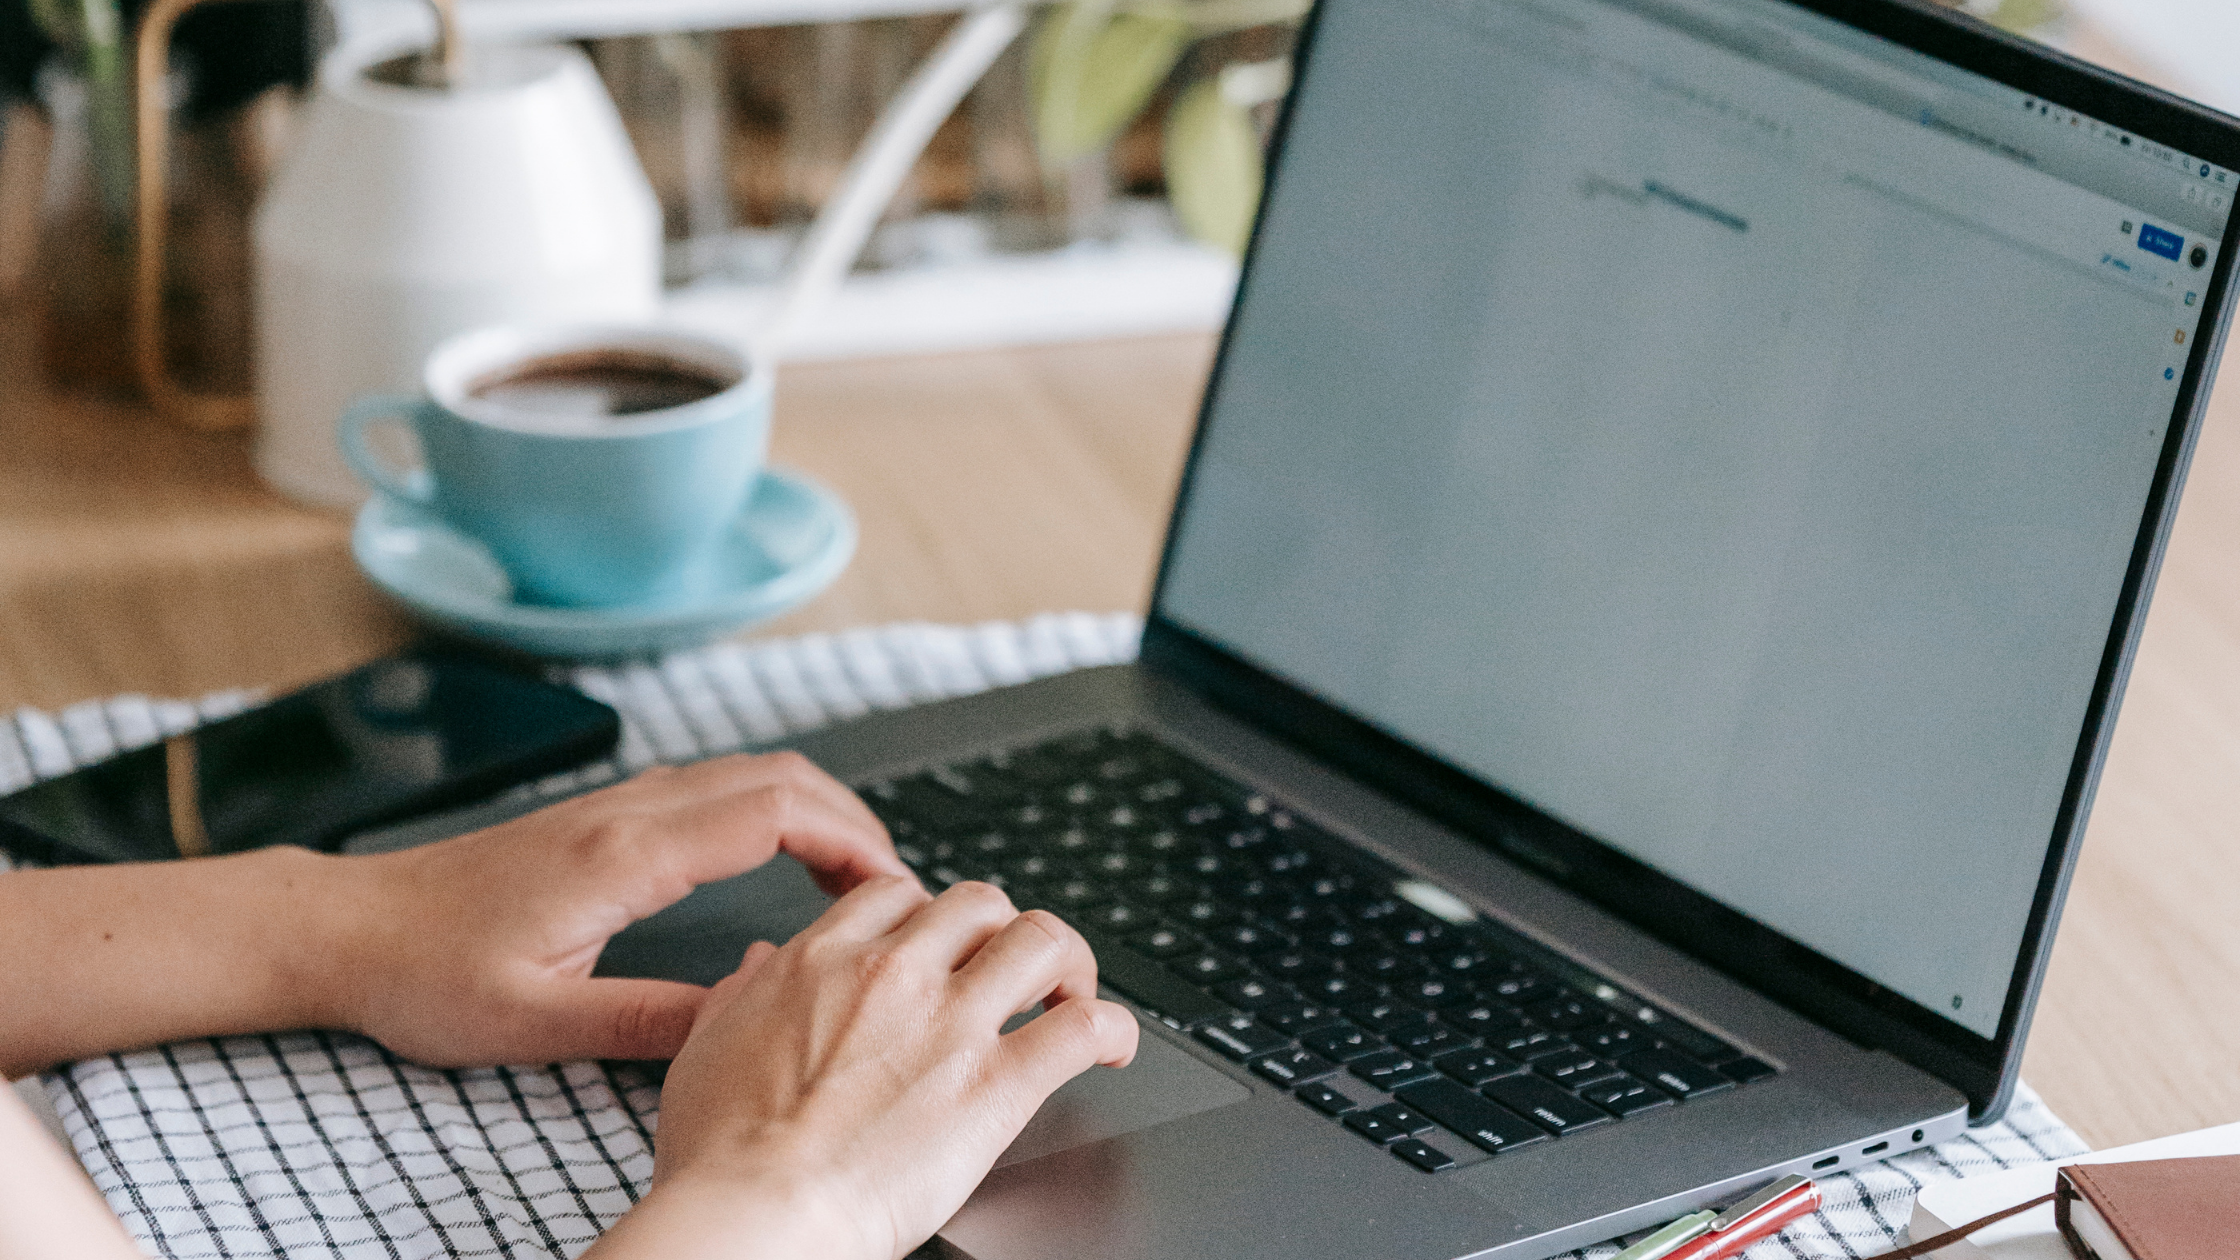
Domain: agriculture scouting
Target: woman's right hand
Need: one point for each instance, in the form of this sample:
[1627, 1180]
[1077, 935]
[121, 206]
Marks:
[843, 1095]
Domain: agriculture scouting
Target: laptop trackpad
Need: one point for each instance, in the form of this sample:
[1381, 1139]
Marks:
[1164, 1083]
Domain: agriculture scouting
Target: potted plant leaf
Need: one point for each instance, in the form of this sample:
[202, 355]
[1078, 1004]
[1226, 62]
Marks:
[1095, 64]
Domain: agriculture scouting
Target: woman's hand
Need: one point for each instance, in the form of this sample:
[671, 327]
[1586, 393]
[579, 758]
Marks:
[476, 950]
[841, 1096]
[479, 949]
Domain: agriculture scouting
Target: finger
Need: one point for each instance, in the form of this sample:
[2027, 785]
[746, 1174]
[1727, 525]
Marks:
[744, 772]
[723, 836]
[1035, 957]
[953, 927]
[1069, 1039]
[875, 908]
[612, 1019]
[794, 772]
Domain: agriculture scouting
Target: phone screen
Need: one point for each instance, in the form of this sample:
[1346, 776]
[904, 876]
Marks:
[392, 739]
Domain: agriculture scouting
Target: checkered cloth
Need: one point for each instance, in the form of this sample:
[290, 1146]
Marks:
[326, 1145]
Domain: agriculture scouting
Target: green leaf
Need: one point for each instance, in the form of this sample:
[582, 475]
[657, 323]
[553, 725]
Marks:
[1215, 16]
[2025, 16]
[1213, 166]
[1091, 71]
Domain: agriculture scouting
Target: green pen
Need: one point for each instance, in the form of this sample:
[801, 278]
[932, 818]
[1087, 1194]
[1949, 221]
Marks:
[1672, 1237]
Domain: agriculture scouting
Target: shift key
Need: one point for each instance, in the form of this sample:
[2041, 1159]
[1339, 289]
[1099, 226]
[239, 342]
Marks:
[1490, 1127]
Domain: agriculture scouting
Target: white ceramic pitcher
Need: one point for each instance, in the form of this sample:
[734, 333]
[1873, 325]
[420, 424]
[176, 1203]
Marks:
[405, 214]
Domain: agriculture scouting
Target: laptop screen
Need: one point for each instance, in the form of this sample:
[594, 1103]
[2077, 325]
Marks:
[1723, 430]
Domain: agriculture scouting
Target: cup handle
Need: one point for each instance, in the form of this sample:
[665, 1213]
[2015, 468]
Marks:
[414, 487]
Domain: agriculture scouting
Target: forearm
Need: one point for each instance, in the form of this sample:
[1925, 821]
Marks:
[101, 958]
[47, 1207]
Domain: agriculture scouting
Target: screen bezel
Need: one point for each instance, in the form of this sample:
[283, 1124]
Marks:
[1985, 1069]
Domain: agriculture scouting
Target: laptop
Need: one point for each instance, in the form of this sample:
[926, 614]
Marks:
[1637, 635]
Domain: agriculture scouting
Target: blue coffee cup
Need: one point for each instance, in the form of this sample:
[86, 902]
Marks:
[580, 510]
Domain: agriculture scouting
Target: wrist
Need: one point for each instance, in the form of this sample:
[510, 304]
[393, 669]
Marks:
[747, 1213]
[311, 910]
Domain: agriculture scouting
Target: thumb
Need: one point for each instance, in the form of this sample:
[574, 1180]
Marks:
[615, 1019]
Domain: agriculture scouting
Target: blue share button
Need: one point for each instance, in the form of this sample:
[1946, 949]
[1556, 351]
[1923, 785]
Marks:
[2161, 241]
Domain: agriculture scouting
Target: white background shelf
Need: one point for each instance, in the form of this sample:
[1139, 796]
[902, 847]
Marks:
[587, 19]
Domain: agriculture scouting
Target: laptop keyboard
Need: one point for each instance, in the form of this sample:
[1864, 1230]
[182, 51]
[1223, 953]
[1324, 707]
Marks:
[1443, 1038]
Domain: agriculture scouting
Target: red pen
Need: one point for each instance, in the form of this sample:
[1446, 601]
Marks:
[1756, 1218]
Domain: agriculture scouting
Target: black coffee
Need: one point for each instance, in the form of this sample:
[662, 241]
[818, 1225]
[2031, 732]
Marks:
[596, 385]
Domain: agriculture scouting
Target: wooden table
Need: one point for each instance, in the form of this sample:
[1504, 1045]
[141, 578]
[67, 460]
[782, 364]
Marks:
[137, 557]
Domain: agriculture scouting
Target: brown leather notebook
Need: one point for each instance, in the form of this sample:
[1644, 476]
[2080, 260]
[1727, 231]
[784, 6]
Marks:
[2154, 1209]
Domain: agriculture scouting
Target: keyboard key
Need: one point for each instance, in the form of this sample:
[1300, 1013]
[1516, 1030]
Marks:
[1544, 1104]
[1203, 912]
[1324, 1099]
[1430, 991]
[1111, 865]
[1625, 1096]
[1168, 942]
[1423, 1155]
[1248, 938]
[1255, 892]
[1252, 993]
[1389, 1069]
[1454, 961]
[1116, 916]
[1384, 964]
[1342, 1042]
[1374, 1127]
[1388, 1016]
[1612, 1040]
[1429, 1041]
[1485, 1125]
[1570, 1068]
[1338, 988]
[1675, 1073]
[1075, 893]
[1476, 1067]
[1297, 964]
[1036, 866]
[1746, 1069]
[1404, 1117]
[1210, 967]
[1517, 989]
[1164, 888]
[1299, 1017]
[1241, 1039]
[1527, 1044]
[1484, 1019]
[1567, 1014]
[1293, 1067]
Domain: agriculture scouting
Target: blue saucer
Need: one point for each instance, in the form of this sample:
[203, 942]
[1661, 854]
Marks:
[792, 540]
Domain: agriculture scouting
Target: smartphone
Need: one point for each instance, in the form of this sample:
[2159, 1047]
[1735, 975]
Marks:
[396, 738]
